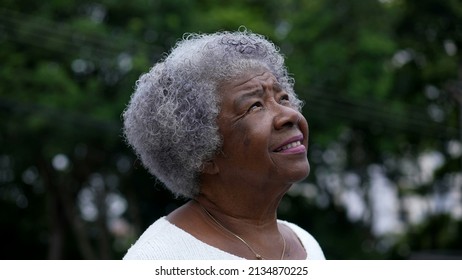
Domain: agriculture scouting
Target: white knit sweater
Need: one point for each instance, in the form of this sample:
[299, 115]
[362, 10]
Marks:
[165, 241]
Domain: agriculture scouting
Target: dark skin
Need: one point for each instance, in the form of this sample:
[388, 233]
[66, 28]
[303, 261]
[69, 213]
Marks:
[265, 141]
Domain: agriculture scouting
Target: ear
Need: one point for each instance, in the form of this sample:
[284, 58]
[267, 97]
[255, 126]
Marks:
[209, 167]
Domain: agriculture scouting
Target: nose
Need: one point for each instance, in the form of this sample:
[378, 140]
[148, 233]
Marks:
[286, 116]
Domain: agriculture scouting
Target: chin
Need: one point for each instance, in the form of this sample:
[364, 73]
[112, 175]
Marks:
[308, 169]
[301, 173]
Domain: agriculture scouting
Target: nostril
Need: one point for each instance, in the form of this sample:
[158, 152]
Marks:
[289, 124]
[286, 117]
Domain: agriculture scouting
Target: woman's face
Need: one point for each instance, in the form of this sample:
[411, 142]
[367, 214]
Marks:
[265, 138]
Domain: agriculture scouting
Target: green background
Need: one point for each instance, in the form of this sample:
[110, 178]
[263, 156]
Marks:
[382, 84]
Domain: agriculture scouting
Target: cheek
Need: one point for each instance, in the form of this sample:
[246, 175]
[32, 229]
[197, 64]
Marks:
[247, 141]
[239, 139]
[243, 139]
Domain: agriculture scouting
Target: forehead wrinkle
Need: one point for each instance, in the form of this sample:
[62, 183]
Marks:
[259, 89]
[249, 79]
[257, 85]
[270, 82]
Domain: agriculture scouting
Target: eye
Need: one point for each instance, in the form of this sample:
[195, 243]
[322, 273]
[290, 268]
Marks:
[285, 99]
[255, 106]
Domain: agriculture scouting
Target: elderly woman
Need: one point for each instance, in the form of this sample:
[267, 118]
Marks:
[218, 122]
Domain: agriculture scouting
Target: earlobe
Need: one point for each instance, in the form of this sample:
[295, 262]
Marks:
[209, 167]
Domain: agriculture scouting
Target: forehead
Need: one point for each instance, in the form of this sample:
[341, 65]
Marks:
[248, 81]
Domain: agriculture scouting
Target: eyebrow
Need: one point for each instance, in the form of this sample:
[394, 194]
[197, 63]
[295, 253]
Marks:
[277, 87]
[258, 92]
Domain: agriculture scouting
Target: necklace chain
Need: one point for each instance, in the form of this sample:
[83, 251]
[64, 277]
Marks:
[257, 255]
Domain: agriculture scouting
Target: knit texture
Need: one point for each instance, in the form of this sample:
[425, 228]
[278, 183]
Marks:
[165, 241]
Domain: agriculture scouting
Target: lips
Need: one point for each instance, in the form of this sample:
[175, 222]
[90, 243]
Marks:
[292, 144]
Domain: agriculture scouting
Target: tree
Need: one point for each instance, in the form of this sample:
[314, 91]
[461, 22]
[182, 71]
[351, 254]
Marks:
[379, 80]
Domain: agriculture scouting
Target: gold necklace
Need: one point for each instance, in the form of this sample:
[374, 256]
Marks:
[257, 255]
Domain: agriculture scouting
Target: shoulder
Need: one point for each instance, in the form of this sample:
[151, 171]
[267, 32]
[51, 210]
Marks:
[165, 241]
[151, 243]
[312, 247]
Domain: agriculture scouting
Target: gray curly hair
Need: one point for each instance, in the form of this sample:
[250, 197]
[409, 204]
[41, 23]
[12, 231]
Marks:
[170, 120]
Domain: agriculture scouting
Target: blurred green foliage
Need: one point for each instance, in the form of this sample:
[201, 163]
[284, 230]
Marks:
[382, 86]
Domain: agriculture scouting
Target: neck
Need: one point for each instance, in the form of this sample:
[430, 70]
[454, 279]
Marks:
[257, 234]
[251, 215]
[258, 256]
[247, 209]
[251, 202]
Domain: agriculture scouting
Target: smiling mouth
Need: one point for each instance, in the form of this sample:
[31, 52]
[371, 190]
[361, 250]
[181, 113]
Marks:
[289, 146]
